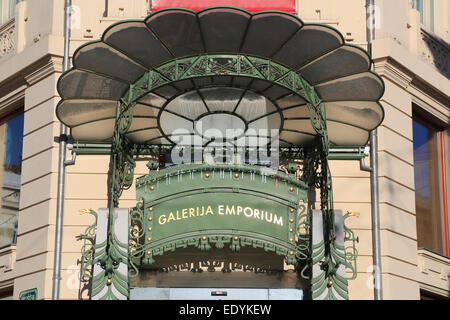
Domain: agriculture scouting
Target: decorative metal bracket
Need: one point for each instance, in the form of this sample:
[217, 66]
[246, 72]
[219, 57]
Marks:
[112, 253]
[104, 260]
[122, 162]
[329, 280]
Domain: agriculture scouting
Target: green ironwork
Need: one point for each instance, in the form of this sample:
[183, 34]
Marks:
[332, 282]
[335, 153]
[176, 196]
[111, 252]
[121, 175]
[88, 247]
[205, 66]
[108, 254]
[208, 65]
[316, 171]
[123, 164]
[109, 259]
[351, 253]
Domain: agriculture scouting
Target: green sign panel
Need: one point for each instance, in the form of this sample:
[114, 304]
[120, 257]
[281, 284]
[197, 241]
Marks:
[30, 294]
[220, 211]
[221, 206]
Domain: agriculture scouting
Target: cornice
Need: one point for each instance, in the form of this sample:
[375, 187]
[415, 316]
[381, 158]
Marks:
[12, 100]
[422, 92]
[12, 92]
[387, 68]
[52, 65]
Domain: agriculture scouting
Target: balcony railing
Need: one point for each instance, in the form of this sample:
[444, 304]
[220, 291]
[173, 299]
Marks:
[7, 38]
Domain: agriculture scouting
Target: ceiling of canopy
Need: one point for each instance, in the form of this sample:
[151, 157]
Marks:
[227, 106]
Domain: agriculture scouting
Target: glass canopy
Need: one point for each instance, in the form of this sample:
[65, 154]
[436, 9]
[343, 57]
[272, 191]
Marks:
[206, 105]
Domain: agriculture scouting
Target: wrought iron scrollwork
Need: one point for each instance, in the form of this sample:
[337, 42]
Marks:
[122, 162]
[88, 247]
[303, 243]
[109, 260]
[108, 255]
[351, 253]
[136, 237]
[111, 253]
[317, 173]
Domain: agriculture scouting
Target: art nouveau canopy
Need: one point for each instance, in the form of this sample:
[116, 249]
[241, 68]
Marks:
[216, 77]
[186, 73]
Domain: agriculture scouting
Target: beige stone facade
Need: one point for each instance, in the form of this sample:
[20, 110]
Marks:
[413, 61]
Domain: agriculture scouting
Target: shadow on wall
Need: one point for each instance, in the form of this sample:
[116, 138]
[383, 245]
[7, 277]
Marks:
[437, 52]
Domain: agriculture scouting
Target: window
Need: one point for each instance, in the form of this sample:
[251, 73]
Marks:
[427, 9]
[11, 141]
[425, 295]
[7, 10]
[430, 187]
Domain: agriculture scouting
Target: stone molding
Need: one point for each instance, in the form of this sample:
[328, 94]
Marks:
[12, 100]
[7, 261]
[422, 93]
[434, 272]
[52, 65]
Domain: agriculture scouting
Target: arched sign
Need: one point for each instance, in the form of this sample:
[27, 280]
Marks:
[217, 205]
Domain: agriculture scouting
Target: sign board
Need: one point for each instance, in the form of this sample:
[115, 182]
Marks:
[30, 294]
[221, 211]
[250, 5]
[223, 207]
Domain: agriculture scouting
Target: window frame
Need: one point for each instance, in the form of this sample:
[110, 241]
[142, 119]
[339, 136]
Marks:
[428, 13]
[9, 7]
[4, 118]
[442, 137]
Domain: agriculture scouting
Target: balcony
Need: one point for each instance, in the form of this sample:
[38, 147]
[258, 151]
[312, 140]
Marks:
[435, 51]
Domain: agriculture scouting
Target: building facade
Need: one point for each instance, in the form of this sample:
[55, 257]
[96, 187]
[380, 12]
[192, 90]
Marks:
[410, 52]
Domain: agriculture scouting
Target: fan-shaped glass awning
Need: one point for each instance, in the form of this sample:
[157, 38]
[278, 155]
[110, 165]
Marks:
[200, 74]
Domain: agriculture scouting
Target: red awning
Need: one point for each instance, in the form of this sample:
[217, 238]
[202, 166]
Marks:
[250, 5]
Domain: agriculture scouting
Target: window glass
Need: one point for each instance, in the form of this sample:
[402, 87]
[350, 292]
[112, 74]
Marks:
[426, 179]
[427, 12]
[418, 5]
[11, 141]
[7, 10]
